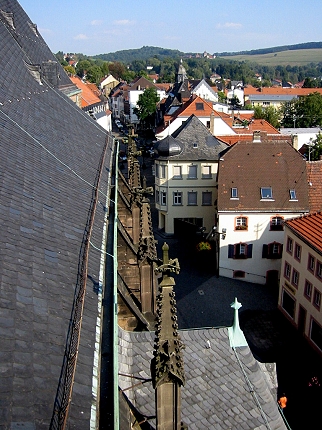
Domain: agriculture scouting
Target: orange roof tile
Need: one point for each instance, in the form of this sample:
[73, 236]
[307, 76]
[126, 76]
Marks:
[309, 229]
[314, 179]
[257, 125]
[248, 137]
[249, 90]
[87, 97]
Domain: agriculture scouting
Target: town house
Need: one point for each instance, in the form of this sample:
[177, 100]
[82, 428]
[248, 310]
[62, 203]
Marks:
[261, 183]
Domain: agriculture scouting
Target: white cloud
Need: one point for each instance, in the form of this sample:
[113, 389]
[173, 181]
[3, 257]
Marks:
[123, 22]
[81, 37]
[232, 25]
[96, 22]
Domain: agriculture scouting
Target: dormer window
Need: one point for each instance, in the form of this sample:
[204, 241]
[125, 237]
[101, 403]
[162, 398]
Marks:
[266, 193]
[293, 195]
[234, 193]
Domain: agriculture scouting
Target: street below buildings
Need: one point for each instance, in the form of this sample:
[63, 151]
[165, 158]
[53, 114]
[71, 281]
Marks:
[203, 300]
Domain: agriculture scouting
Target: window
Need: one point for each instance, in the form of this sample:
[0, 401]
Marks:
[272, 250]
[192, 172]
[199, 106]
[277, 223]
[195, 145]
[297, 252]
[234, 193]
[311, 263]
[192, 198]
[177, 198]
[295, 278]
[163, 198]
[240, 251]
[206, 198]
[292, 195]
[162, 171]
[316, 334]
[177, 172]
[206, 172]
[289, 245]
[308, 289]
[317, 298]
[208, 124]
[241, 223]
[266, 193]
[287, 270]
[288, 303]
[319, 269]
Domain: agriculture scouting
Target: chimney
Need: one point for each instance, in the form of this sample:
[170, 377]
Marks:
[257, 136]
[295, 141]
[212, 123]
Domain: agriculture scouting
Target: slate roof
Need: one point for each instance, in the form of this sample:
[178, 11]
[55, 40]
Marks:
[309, 229]
[50, 153]
[314, 179]
[191, 132]
[217, 393]
[269, 163]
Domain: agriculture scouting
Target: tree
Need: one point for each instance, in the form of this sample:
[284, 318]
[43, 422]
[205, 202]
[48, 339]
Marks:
[303, 112]
[314, 149]
[82, 67]
[70, 70]
[270, 114]
[146, 107]
[94, 74]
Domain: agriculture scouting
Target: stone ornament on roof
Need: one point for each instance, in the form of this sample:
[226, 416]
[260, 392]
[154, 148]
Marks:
[167, 366]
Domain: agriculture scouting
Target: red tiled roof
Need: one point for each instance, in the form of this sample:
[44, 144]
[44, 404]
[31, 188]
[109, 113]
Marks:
[314, 179]
[249, 90]
[309, 228]
[248, 137]
[257, 125]
[87, 97]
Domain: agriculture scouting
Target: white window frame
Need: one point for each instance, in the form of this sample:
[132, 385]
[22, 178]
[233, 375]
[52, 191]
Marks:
[177, 198]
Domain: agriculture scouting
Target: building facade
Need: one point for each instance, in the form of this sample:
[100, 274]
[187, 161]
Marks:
[301, 278]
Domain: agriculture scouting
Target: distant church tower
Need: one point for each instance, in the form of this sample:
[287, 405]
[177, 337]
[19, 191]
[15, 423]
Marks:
[181, 75]
[167, 365]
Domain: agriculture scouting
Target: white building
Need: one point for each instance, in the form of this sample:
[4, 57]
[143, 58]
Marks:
[261, 183]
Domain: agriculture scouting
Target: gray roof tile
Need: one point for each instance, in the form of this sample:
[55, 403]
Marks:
[44, 206]
[208, 401]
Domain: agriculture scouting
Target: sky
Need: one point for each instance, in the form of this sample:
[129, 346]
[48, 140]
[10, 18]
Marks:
[103, 26]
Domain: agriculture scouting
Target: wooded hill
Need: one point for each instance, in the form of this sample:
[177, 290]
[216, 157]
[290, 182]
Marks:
[142, 54]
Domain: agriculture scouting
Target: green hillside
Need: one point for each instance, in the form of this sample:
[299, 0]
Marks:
[129, 55]
[298, 57]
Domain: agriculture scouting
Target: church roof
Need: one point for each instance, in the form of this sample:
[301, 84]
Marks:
[51, 154]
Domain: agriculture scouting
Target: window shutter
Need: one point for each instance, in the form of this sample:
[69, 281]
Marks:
[230, 251]
[265, 251]
[250, 250]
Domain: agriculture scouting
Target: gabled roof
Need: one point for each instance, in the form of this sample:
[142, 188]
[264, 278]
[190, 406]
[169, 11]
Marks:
[194, 140]
[250, 166]
[314, 179]
[51, 154]
[234, 138]
[88, 97]
[141, 83]
[309, 229]
[257, 125]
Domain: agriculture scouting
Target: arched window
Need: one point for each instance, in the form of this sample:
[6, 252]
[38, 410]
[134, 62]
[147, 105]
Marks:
[277, 223]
